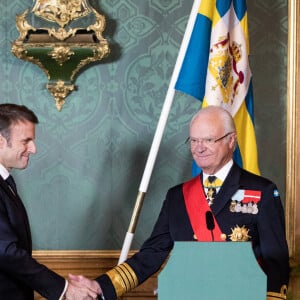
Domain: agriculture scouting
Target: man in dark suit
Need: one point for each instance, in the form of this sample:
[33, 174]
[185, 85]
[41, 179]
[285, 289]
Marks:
[20, 274]
[243, 206]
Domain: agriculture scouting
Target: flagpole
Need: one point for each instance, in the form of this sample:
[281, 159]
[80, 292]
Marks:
[158, 134]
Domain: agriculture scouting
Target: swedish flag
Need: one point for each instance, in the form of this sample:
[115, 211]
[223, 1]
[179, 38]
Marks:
[216, 70]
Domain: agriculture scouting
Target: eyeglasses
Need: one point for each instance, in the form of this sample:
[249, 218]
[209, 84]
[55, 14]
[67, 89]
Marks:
[205, 141]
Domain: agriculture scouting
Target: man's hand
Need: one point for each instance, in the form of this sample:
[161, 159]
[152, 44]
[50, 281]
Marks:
[82, 288]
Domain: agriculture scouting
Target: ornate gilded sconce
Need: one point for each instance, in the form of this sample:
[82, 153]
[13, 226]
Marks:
[61, 37]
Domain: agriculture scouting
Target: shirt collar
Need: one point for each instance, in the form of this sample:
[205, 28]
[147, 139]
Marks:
[222, 173]
[3, 172]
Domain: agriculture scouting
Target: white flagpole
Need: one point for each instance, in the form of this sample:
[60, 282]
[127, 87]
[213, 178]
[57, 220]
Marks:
[158, 134]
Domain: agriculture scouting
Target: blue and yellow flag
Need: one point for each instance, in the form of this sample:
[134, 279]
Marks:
[216, 70]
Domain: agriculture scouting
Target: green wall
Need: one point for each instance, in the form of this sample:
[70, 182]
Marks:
[81, 186]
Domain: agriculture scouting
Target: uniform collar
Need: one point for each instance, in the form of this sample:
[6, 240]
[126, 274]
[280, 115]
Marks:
[222, 173]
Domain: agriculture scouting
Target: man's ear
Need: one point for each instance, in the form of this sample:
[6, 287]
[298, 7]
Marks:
[233, 141]
[2, 141]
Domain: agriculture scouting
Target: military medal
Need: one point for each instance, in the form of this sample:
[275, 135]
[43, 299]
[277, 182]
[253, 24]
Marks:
[212, 183]
[238, 207]
[210, 195]
[245, 201]
[250, 208]
[239, 234]
[232, 206]
[254, 209]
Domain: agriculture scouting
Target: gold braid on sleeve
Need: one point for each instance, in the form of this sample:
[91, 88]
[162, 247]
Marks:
[278, 296]
[123, 278]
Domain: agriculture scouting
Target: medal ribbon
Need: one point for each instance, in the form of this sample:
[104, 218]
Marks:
[196, 205]
[251, 196]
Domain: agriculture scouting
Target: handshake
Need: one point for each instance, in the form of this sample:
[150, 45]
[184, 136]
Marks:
[82, 288]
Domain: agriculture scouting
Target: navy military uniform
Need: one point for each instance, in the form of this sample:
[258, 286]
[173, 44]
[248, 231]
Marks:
[264, 226]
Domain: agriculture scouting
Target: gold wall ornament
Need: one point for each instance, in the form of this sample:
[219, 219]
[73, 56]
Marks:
[60, 91]
[61, 54]
[61, 11]
[61, 37]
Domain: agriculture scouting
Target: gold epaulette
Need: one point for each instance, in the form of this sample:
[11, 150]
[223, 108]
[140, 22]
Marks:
[278, 296]
[123, 278]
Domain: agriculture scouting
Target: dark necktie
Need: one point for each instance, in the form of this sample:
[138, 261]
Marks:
[211, 178]
[11, 183]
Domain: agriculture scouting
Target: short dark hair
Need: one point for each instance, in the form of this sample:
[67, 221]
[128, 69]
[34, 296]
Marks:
[13, 113]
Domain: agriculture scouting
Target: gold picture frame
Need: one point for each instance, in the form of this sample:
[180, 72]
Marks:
[293, 133]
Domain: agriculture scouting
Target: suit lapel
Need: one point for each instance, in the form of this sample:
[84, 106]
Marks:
[229, 187]
[26, 220]
[18, 202]
[8, 190]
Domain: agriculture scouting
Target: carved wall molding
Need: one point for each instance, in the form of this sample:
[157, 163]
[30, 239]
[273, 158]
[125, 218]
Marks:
[292, 208]
[293, 133]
